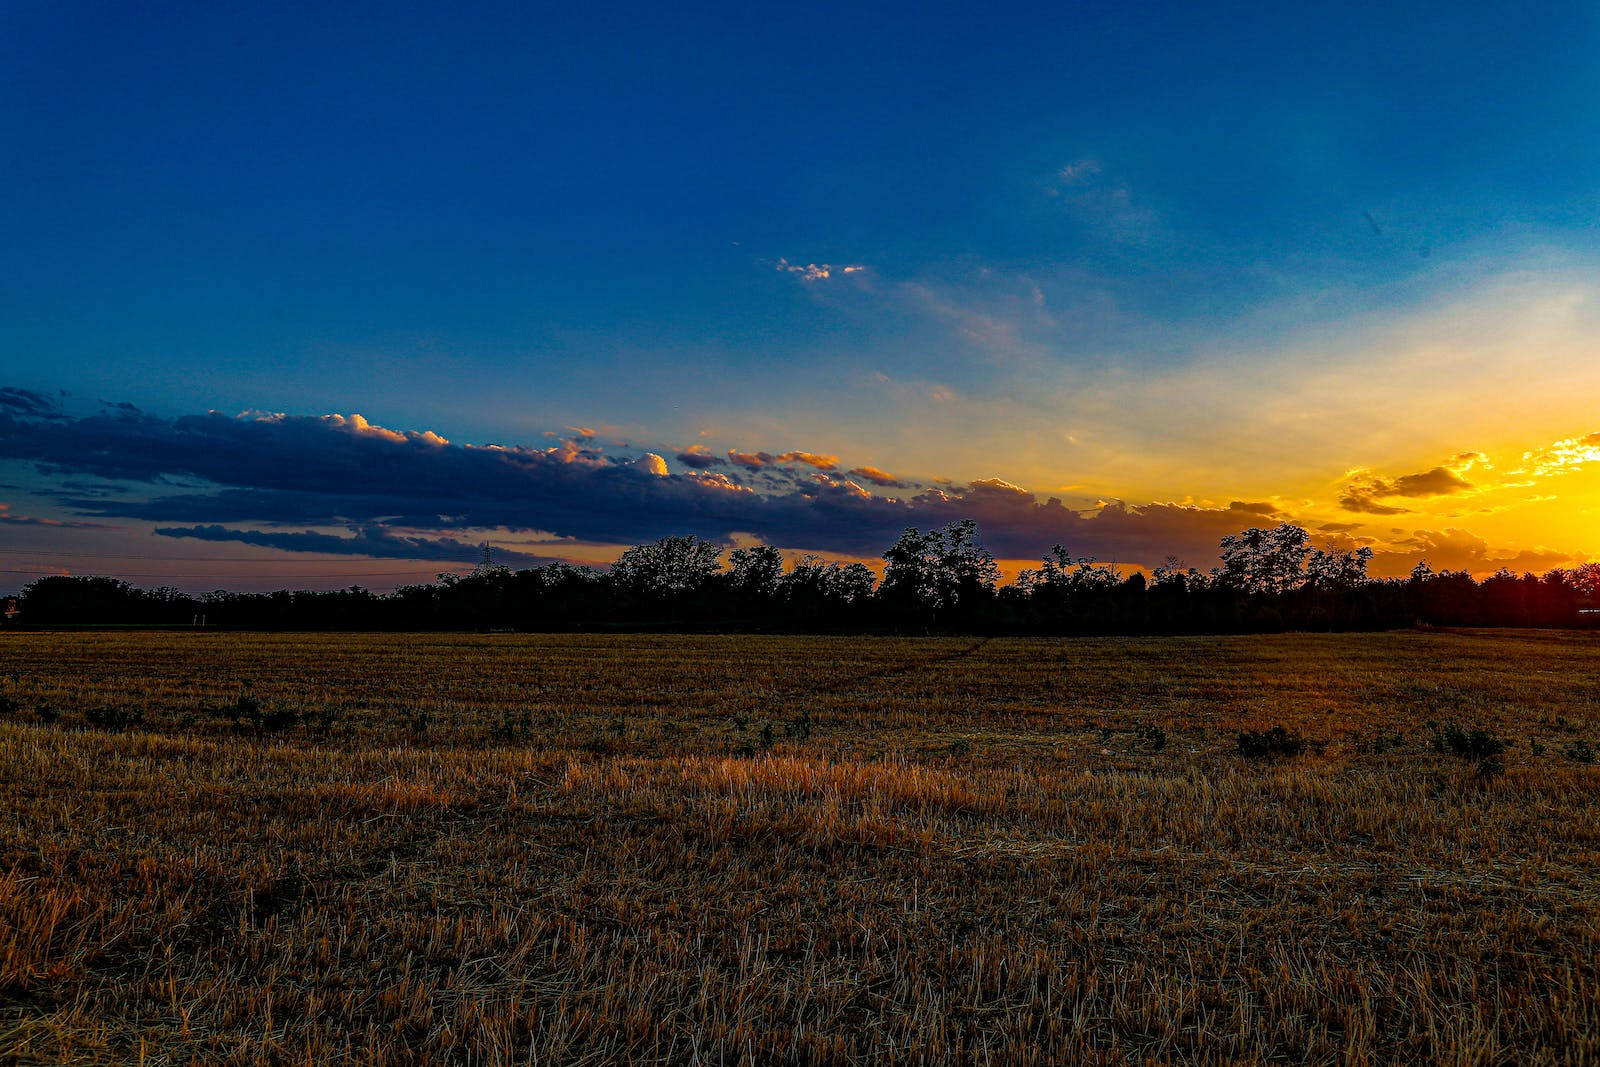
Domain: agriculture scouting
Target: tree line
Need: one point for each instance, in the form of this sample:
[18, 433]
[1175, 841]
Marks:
[938, 581]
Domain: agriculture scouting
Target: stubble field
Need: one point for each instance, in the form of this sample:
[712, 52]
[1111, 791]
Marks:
[252, 848]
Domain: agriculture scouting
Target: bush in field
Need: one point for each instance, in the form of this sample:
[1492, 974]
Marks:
[115, 720]
[1456, 740]
[1152, 736]
[1277, 741]
[799, 727]
[513, 728]
[248, 711]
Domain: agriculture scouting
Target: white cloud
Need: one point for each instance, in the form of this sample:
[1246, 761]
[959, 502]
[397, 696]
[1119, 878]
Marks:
[816, 272]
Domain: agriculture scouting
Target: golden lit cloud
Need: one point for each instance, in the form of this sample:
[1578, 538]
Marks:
[1562, 456]
[1366, 492]
[810, 459]
[754, 460]
[877, 477]
[651, 463]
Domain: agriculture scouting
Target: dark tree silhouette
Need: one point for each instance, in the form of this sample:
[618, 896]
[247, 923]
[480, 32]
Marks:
[943, 580]
[671, 566]
[946, 570]
[1271, 562]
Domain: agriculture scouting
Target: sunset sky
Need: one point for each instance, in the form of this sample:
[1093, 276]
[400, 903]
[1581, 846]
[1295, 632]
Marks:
[315, 295]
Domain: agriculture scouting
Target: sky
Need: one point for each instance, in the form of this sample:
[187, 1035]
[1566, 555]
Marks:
[320, 295]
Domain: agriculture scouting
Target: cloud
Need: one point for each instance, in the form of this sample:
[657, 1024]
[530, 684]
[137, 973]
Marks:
[1368, 506]
[1458, 550]
[1366, 492]
[367, 541]
[336, 472]
[28, 403]
[817, 272]
[811, 459]
[878, 477]
[1107, 206]
[34, 520]
[275, 480]
[758, 460]
[1001, 316]
[651, 464]
[699, 457]
[1078, 172]
[1562, 456]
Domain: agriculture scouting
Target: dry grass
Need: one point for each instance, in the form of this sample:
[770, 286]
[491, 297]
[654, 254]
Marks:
[734, 849]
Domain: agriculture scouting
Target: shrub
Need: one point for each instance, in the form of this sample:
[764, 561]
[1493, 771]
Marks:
[1474, 743]
[1580, 750]
[799, 727]
[248, 711]
[1385, 743]
[1152, 736]
[114, 719]
[513, 727]
[1277, 741]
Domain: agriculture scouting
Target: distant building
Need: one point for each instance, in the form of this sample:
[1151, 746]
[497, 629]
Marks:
[12, 612]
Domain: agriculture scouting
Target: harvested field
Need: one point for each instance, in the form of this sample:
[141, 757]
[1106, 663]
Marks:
[254, 848]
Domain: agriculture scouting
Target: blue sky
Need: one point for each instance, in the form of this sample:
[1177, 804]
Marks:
[498, 221]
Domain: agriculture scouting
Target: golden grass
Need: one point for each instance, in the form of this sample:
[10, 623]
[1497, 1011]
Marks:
[585, 849]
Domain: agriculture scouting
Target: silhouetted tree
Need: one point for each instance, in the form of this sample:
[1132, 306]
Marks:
[1271, 562]
[1585, 581]
[670, 566]
[1338, 569]
[755, 571]
[945, 579]
[941, 570]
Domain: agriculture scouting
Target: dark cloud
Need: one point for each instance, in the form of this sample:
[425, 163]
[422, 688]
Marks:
[1353, 501]
[367, 541]
[334, 471]
[28, 403]
[1366, 494]
[758, 460]
[1436, 482]
[699, 458]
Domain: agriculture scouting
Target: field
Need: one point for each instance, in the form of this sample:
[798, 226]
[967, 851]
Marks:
[577, 849]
